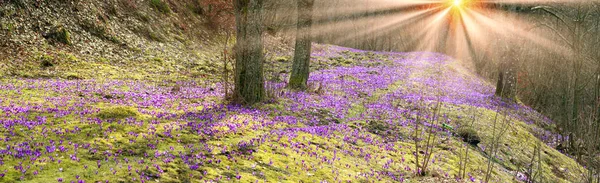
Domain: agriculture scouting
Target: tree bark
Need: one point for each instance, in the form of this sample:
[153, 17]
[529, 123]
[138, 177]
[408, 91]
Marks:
[301, 66]
[249, 82]
[598, 96]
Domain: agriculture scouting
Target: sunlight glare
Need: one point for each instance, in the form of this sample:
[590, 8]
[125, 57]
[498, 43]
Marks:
[457, 3]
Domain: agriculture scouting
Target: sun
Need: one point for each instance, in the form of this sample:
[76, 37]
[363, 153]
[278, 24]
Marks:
[457, 3]
[463, 4]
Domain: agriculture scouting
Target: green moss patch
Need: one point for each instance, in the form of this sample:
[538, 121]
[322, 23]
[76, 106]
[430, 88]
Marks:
[119, 112]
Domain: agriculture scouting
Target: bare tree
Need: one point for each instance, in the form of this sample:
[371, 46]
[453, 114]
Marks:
[575, 36]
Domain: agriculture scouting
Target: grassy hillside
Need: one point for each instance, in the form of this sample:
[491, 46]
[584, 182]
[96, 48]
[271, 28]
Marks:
[356, 124]
[128, 91]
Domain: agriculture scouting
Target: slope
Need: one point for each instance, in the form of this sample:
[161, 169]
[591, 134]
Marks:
[118, 39]
[355, 124]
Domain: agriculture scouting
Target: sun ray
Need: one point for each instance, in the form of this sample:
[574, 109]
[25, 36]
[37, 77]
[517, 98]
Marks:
[460, 28]
[395, 23]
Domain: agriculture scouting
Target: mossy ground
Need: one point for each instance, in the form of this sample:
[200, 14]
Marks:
[304, 157]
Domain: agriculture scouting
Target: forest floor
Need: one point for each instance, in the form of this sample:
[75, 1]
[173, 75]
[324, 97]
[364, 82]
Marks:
[355, 124]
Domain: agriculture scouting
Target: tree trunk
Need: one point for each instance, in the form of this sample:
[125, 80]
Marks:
[249, 81]
[301, 66]
[500, 83]
[597, 98]
[506, 86]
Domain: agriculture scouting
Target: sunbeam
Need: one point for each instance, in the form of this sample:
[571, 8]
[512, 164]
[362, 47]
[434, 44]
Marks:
[449, 26]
